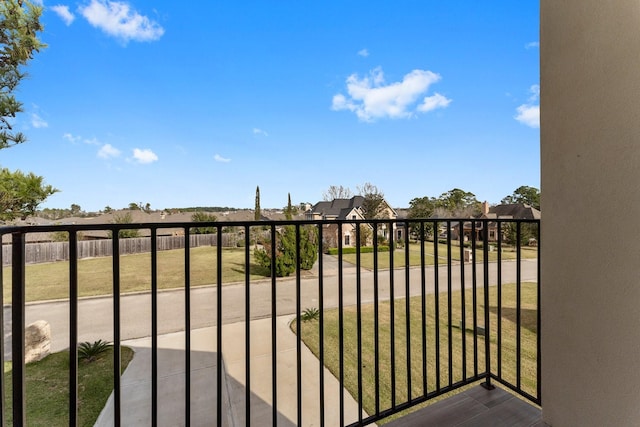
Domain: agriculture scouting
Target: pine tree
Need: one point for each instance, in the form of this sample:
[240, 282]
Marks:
[257, 213]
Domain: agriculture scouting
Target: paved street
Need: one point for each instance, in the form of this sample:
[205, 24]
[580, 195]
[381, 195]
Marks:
[95, 317]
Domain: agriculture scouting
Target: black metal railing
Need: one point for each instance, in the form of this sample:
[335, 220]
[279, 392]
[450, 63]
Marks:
[399, 321]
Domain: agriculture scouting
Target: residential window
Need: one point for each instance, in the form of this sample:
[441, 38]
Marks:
[346, 240]
[399, 234]
[353, 217]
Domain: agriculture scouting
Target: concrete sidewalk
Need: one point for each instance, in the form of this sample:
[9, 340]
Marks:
[136, 380]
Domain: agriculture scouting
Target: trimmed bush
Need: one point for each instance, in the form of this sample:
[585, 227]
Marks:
[352, 250]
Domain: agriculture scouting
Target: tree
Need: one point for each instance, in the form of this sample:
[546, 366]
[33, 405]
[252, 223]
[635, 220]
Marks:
[337, 192]
[19, 25]
[133, 206]
[459, 203]
[124, 219]
[75, 209]
[524, 194]
[203, 217]
[290, 210]
[422, 207]
[373, 204]
[107, 209]
[257, 214]
[20, 194]
[285, 241]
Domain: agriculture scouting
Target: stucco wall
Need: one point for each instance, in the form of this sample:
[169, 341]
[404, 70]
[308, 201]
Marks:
[590, 147]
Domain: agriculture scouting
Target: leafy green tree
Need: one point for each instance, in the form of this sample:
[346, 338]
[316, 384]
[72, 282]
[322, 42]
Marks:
[20, 194]
[366, 234]
[107, 209]
[257, 214]
[75, 209]
[124, 219]
[422, 207]
[285, 241]
[19, 26]
[133, 206]
[459, 203]
[203, 217]
[524, 194]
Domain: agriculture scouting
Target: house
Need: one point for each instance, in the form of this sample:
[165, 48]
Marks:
[343, 210]
[505, 211]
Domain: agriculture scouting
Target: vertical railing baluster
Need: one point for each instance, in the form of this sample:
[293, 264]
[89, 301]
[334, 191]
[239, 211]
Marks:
[3, 407]
[117, 394]
[499, 311]
[487, 334]
[423, 305]
[154, 326]
[392, 315]
[436, 298]
[407, 306]
[340, 324]
[474, 297]
[462, 302]
[321, 321]
[298, 327]
[73, 328]
[274, 345]
[247, 330]
[17, 328]
[359, 320]
[449, 301]
[518, 303]
[219, 370]
[376, 317]
[538, 322]
[187, 324]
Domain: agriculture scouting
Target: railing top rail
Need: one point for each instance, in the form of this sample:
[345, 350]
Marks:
[222, 224]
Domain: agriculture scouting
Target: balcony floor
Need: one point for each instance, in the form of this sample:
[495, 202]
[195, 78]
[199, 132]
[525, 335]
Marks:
[476, 407]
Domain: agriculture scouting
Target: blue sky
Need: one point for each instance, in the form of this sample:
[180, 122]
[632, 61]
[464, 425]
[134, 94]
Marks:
[195, 104]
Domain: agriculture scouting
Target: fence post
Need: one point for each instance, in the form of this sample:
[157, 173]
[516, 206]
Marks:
[17, 327]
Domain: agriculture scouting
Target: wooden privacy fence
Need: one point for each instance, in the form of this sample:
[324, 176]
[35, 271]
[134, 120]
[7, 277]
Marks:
[59, 251]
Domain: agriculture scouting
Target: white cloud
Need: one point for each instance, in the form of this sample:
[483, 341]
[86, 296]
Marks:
[71, 138]
[64, 14]
[257, 131]
[108, 151]
[144, 156]
[118, 19]
[92, 141]
[219, 158]
[532, 45]
[370, 98]
[432, 102]
[363, 52]
[529, 113]
[37, 121]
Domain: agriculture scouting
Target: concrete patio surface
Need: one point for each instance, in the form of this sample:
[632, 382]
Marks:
[136, 380]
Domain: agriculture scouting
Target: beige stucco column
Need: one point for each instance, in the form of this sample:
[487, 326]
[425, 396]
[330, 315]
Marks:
[590, 147]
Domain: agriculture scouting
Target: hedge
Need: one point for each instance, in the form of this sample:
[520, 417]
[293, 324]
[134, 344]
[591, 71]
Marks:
[352, 250]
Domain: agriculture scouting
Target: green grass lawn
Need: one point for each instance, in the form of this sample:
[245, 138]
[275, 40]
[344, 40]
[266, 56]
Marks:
[47, 388]
[310, 337]
[366, 259]
[51, 280]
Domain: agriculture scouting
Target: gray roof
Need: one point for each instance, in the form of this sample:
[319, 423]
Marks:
[515, 211]
[338, 208]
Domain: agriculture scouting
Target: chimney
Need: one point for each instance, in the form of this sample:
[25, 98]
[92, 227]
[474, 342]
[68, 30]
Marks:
[485, 207]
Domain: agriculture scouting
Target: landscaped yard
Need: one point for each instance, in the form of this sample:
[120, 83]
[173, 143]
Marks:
[47, 385]
[415, 257]
[331, 343]
[51, 281]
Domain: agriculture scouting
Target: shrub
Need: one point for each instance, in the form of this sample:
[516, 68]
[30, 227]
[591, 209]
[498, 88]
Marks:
[310, 314]
[90, 351]
[285, 241]
[124, 219]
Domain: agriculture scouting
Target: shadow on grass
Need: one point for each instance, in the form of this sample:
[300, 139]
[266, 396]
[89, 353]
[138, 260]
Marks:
[528, 316]
[254, 269]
